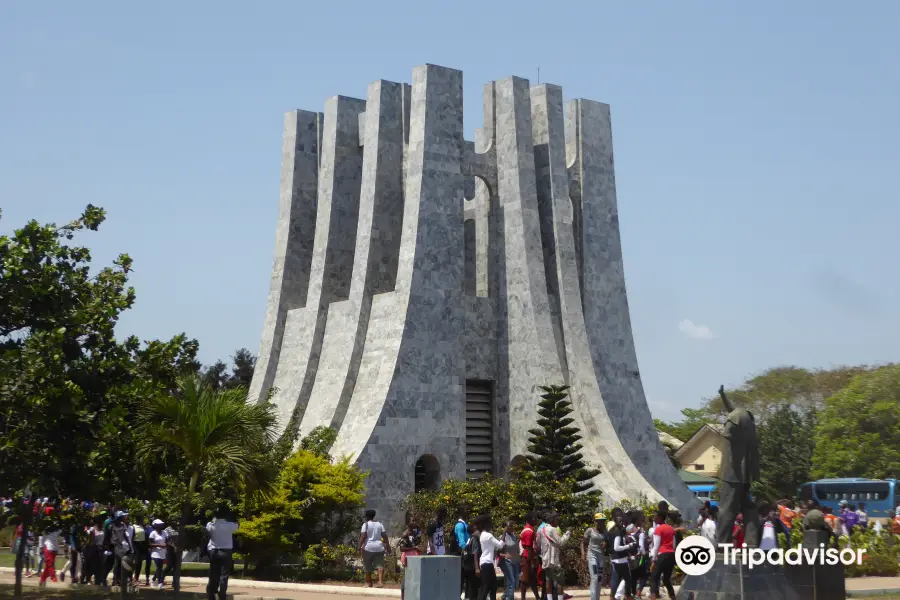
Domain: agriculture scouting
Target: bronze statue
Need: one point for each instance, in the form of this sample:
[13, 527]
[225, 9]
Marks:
[740, 468]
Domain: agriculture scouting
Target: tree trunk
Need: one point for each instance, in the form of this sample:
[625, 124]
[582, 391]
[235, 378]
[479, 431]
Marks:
[179, 549]
[20, 553]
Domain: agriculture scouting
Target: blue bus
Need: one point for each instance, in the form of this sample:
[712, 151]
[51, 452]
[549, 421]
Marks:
[878, 495]
[704, 492]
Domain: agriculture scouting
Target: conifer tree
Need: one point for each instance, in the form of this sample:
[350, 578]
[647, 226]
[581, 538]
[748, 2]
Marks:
[553, 444]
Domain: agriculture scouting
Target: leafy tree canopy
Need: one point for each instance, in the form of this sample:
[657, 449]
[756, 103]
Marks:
[764, 394]
[858, 431]
[67, 386]
[786, 446]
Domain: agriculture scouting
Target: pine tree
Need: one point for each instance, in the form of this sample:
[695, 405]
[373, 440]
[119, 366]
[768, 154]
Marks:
[555, 451]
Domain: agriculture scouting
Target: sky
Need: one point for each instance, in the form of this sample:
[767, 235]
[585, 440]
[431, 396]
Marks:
[754, 146]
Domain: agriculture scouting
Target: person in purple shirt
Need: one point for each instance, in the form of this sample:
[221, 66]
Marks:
[850, 518]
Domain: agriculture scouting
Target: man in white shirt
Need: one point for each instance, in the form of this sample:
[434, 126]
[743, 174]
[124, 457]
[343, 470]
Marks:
[50, 549]
[220, 546]
[159, 541]
[862, 516]
[708, 528]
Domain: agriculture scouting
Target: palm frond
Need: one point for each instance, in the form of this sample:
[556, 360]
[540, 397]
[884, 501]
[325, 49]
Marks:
[205, 425]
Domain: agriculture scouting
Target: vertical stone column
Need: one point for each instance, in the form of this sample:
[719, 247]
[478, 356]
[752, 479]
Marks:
[618, 478]
[605, 301]
[293, 239]
[532, 356]
[375, 262]
[340, 180]
[409, 396]
[340, 172]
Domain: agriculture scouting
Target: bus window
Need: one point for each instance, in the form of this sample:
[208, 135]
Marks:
[806, 492]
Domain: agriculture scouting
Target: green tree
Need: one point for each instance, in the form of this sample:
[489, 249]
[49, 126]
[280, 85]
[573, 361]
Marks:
[203, 427]
[802, 389]
[56, 337]
[555, 451]
[314, 501]
[67, 385]
[243, 364]
[216, 375]
[786, 444]
[858, 431]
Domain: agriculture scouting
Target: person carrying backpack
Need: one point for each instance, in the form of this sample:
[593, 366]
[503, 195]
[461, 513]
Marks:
[459, 546]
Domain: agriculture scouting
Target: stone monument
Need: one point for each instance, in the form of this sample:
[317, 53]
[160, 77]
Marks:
[424, 286]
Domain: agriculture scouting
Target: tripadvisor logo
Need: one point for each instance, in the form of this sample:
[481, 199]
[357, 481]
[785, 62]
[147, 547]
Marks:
[696, 555]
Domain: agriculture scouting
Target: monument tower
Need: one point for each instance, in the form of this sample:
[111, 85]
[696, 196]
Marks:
[424, 286]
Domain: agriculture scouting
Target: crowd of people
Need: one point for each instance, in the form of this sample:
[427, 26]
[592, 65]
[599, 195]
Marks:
[625, 551]
[104, 541]
[781, 517]
[622, 551]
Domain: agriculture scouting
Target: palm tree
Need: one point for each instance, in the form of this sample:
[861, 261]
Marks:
[201, 426]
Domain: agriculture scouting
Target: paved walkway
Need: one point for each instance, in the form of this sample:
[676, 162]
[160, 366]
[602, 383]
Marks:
[265, 590]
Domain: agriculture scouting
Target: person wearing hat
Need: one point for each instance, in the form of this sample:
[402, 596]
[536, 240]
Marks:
[158, 542]
[593, 552]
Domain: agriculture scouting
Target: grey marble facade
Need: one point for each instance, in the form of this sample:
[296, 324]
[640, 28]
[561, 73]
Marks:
[410, 261]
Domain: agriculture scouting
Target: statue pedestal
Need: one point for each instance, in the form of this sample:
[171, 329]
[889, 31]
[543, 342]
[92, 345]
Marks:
[819, 582]
[772, 582]
[432, 578]
[739, 582]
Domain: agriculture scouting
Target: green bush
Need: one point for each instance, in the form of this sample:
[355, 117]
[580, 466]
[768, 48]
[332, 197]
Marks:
[502, 499]
[315, 502]
[882, 557]
[514, 498]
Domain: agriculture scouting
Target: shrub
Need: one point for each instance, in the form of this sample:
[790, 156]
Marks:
[882, 557]
[514, 498]
[315, 502]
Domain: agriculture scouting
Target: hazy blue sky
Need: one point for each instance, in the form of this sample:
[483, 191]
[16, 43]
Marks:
[755, 145]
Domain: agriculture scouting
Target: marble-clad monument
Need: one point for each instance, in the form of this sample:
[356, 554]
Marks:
[424, 286]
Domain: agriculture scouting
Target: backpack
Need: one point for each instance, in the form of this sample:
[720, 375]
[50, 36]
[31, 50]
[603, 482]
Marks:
[610, 537]
[453, 543]
[473, 547]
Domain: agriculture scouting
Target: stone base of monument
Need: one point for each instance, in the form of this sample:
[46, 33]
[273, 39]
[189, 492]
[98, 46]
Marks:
[819, 582]
[432, 578]
[739, 582]
[788, 582]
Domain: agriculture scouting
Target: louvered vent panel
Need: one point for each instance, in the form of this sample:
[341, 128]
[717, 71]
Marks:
[479, 428]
